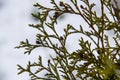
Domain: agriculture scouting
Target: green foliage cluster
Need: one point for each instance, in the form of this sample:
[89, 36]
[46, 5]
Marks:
[99, 63]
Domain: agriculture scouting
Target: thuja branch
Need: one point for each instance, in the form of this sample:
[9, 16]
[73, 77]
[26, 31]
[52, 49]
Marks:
[95, 59]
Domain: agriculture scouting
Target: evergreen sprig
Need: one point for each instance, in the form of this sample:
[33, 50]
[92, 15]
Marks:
[101, 62]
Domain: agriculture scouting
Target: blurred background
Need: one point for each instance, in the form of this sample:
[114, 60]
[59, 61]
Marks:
[15, 15]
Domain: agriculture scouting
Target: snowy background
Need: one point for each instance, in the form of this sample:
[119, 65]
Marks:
[15, 15]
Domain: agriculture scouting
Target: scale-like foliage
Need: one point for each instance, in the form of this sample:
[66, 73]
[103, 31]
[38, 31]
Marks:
[101, 62]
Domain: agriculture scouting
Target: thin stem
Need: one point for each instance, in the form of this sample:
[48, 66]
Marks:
[102, 9]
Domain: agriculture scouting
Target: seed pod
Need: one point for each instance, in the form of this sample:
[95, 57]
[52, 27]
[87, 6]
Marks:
[61, 3]
[37, 42]
[81, 54]
[61, 38]
[81, 6]
[49, 61]
[56, 14]
[98, 51]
